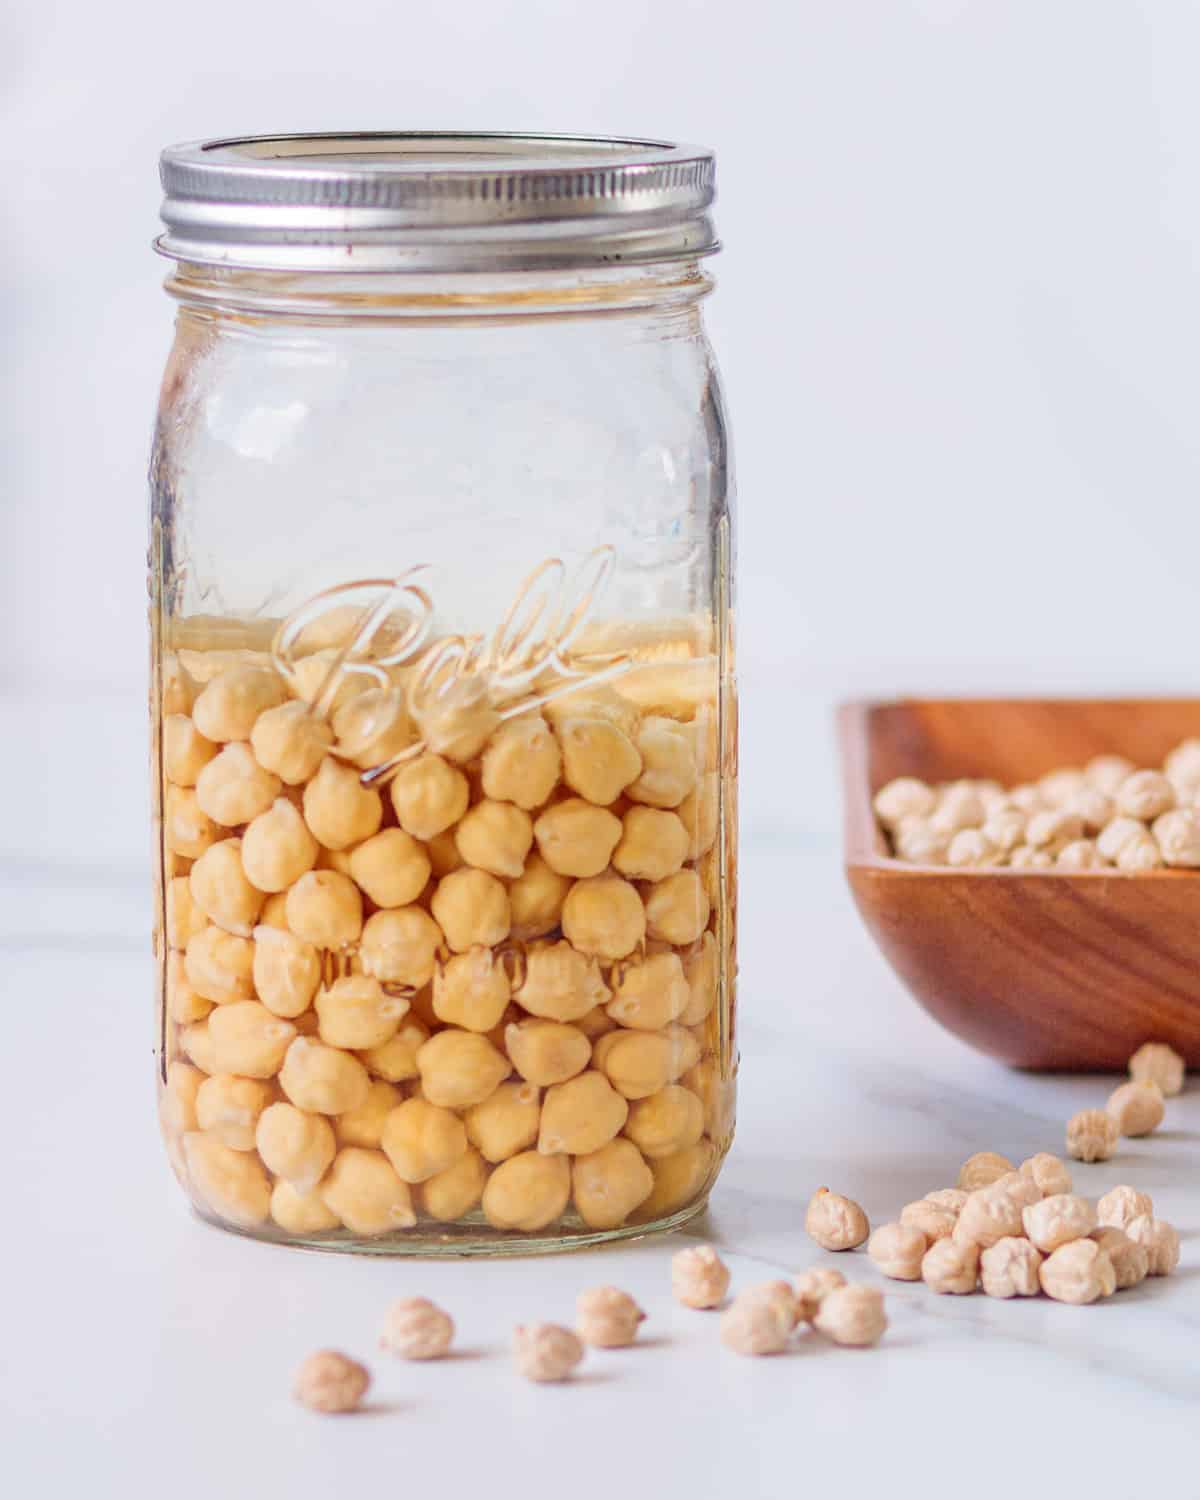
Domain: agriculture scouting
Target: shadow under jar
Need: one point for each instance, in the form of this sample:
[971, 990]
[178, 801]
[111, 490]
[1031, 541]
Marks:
[443, 711]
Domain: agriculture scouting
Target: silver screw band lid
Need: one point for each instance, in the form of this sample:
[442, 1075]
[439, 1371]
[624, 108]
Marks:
[429, 202]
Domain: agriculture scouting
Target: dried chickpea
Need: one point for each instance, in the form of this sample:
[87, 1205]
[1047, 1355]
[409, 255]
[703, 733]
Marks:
[177, 1107]
[1080, 854]
[323, 1080]
[1058, 788]
[934, 1221]
[1009, 1268]
[561, 984]
[460, 1068]
[1140, 854]
[471, 907]
[415, 1328]
[604, 916]
[232, 1183]
[301, 1213]
[1144, 795]
[1057, 1220]
[546, 1052]
[1160, 1241]
[1155, 1062]
[982, 1169]
[1177, 834]
[1092, 1135]
[1017, 1186]
[852, 1316]
[650, 993]
[536, 898]
[599, 759]
[528, 1191]
[699, 1277]
[233, 788]
[897, 1250]
[184, 1003]
[835, 1222]
[665, 1122]
[1053, 830]
[187, 828]
[219, 966]
[1025, 858]
[581, 1115]
[906, 797]
[653, 844]
[1118, 834]
[607, 1318]
[295, 1145]
[325, 909]
[522, 762]
[1078, 1272]
[364, 1126]
[668, 763]
[677, 909]
[959, 806]
[421, 1139]
[1005, 828]
[179, 688]
[228, 1109]
[545, 1352]
[185, 751]
[228, 705]
[609, 1183]
[1094, 807]
[366, 1194]
[220, 889]
[679, 1180]
[357, 1013]
[1136, 1108]
[1130, 1261]
[576, 838]
[396, 1061]
[286, 971]
[918, 842]
[640, 1063]
[988, 1215]
[330, 1382]
[429, 796]
[1183, 762]
[972, 848]
[338, 808]
[456, 1191]
[951, 1199]
[1049, 1173]
[951, 1267]
[1119, 1207]
[811, 1288]
[372, 728]
[277, 848]
[758, 1322]
[290, 742]
[1107, 772]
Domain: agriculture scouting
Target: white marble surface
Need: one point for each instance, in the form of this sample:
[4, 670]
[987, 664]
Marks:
[145, 1353]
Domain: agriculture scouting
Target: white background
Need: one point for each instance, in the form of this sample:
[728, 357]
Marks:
[957, 317]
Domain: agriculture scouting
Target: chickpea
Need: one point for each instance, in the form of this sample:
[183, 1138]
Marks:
[1057, 1220]
[301, 1213]
[906, 797]
[607, 1318]
[1130, 1262]
[185, 751]
[443, 854]
[228, 1108]
[1107, 772]
[651, 993]
[1141, 853]
[959, 806]
[545, 1352]
[1080, 854]
[1018, 1187]
[951, 1199]
[330, 1382]
[364, 1126]
[228, 705]
[198, 1046]
[286, 971]
[665, 1122]
[472, 910]
[1053, 830]
[219, 965]
[457, 720]
[1005, 828]
[177, 1107]
[338, 809]
[220, 889]
[609, 1183]
[179, 688]
[295, 1145]
[234, 788]
[184, 1003]
[1155, 1062]
[231, 1183]
[392, 868]
[247, 1039]
[1009, 1268]
[971, 848]
[918, 842]
[290, 742]
[668, 763]
[460, 1068]
[325, 909]
[677, 909]
[561, 984]
[184, 917]
[593, 701]
[758, 1322]
[366, 1194]
[274, 912]
[982, 1169]
[416, 1328]
[356, 1012]
[496, 837]
[678, 1181]
[715, 1091]
[951, 1267]
[898, 1249]
[187, 828]
[323, 1080]
[576, 838]
[934, 1221]
[811, 1288]
[1091, 1135]
[421, 1139]
[1144, 795]
[372, 728]
[988, 1215]
[852, 1316]
[1025, 858]
[604, 916]
[429, 796]
[455, 1192]
[277, 848]
[505, 1122]
[599, 759]
[699, 1277]
[536, 898]
[639, 1063]
[522, 762]
[653, 844]
[1049, 1173]
[581, 1115]
[1159, 1239]
[1120, 1206]
[1136, 1108]
[396, 1061]
[702, 971]
[1078, 1272]
[316, 681]
[528, 1191]
[835, 1222]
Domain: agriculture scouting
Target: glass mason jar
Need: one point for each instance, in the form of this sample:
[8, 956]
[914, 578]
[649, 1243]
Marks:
[443, 715]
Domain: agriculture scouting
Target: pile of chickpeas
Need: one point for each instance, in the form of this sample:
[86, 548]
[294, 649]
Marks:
[1107, 815]
[488, 990]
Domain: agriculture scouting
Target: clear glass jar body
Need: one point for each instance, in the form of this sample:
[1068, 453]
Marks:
[444, 758]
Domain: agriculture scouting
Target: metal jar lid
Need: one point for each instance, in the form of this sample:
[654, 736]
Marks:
[429, 202]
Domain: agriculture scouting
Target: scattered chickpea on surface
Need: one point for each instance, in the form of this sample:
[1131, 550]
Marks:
[951, 1266]
[1009, 1268]
[852, 1316]
[835, 1222]
[811, 1288]
[1157, 1063]
[416, 1328]
[1136, 1108]
[607, 1318]
[1092, 1135]
[1078, 1272]
[982, 1169]
[760, 1321]
[699, 1277]
[1159, 1239]
[546, 1352]
[330, 1382]
[898, 1249]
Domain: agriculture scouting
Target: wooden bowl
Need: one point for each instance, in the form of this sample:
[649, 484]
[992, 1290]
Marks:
[1040, 969]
